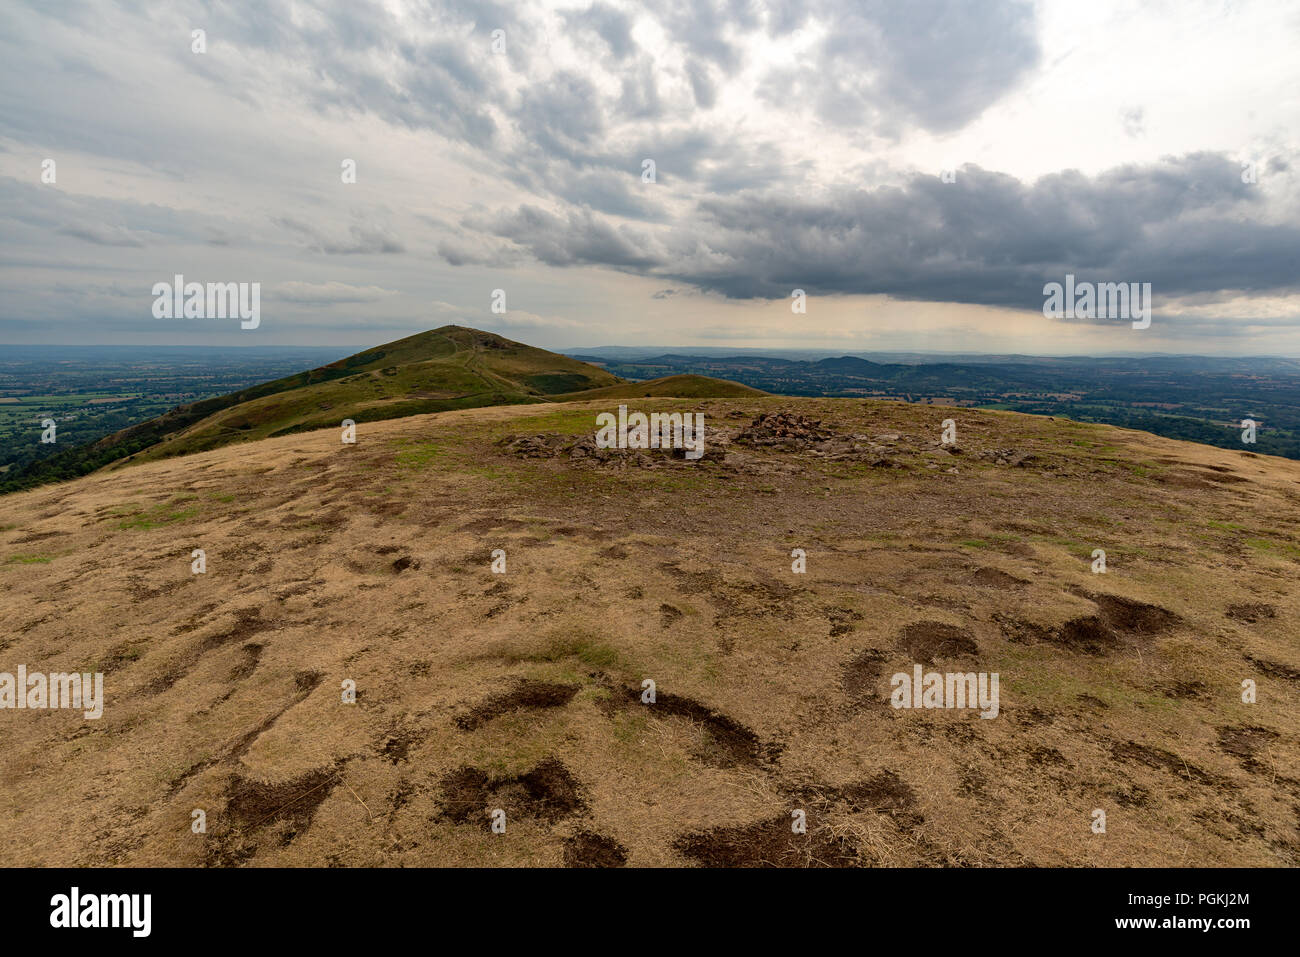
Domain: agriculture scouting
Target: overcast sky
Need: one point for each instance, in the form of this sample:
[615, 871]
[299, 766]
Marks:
[796, 145]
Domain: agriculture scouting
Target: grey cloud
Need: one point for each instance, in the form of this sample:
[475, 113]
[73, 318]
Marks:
[102, 235]
[640, 99]
[557, 145]
[682, 153]
[34, 209]
[360, 58]
[437, 86]
[756, 167]
[934, 63]
[563, 117]
[1185, 225]
[361, 239]
[786, 16]
[365, 240]
[702, 28]
[702, 85]
[609, 23]
[578, 238]
[1182, 225]
[460, 251]
[620, 193]
[344, 58]
[609, 180]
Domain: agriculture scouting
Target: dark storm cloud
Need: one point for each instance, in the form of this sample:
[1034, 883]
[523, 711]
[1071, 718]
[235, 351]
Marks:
[1185, 225]
[1182, 225]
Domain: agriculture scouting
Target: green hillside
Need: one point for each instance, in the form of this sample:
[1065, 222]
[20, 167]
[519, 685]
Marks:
[449, 368]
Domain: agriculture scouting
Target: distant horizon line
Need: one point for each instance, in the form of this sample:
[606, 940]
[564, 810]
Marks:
[687, 350]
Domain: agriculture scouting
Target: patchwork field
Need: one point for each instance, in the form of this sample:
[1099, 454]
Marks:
[522, 691]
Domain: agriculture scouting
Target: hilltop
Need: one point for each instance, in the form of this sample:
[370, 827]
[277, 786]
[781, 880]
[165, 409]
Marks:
[327, 564]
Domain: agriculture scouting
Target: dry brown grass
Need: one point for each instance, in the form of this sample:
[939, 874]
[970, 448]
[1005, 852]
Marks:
[371, 562]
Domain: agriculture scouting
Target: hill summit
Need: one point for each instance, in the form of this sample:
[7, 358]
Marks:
[453, 367]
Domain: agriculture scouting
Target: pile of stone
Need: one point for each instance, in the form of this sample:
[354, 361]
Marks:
[1010, 457]
[784, 430]
[543, 446]
[583, 451]
[791, 432]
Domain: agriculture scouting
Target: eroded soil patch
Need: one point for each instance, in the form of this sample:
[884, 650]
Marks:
[1243, 742]
[1163, 760]
[252, 804]
[860, 675]
[1119, 623]
[885, 793]
[1251, 612]
[1274, 669]
[589, 849]
[548, 793]
[1129, 616]
[928, 641]
[727, 743]
[527, 694]
[996, 578]
[769, 843]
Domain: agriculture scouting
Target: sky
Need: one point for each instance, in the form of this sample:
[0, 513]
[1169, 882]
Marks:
[920, 170]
